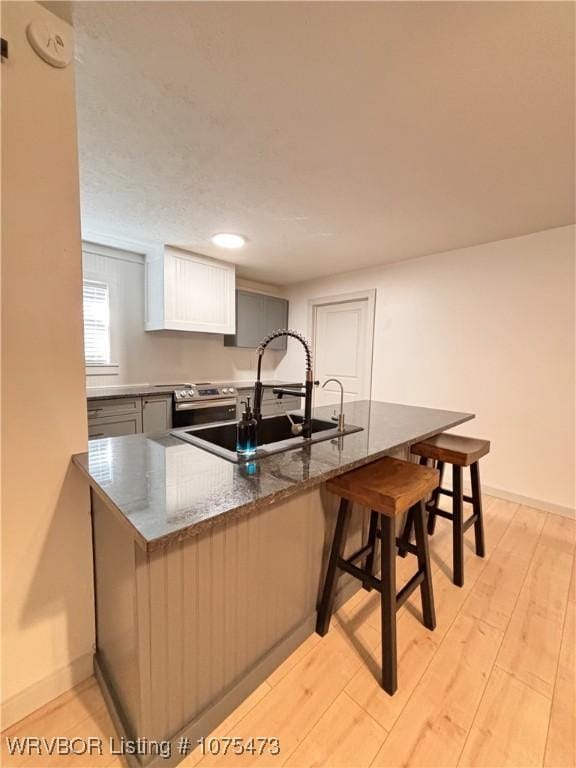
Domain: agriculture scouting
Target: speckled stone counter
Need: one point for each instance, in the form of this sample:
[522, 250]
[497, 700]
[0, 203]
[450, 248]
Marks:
[166, 490]
[207, 573]
[147, 390]
[129, 390]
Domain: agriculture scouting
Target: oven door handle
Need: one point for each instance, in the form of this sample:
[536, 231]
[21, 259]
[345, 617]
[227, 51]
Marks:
[204, 406]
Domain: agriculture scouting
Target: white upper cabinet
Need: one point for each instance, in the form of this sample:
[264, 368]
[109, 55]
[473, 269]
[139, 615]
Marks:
[189, 292]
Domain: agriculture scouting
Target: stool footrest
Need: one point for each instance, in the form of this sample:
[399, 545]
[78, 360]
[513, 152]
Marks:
[360, 574]
[359, 554]
[408, 588]
[406, 546]
[469, 522]
[449, 516]
[353, 570]
[439, 512]
[447, 492]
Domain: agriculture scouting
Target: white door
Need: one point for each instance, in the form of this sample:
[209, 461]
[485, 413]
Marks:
[342, 338]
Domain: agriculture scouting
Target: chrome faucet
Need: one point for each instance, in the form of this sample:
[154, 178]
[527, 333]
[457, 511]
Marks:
[340, 418]
[308, 386]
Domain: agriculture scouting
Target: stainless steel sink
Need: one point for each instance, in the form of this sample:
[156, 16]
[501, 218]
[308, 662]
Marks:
[274, 436]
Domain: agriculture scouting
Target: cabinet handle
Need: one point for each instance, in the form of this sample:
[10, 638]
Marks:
[94, 410]
[98, 434]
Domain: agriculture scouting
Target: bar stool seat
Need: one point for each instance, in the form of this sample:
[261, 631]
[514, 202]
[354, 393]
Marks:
[389, 488]
[452, 449]
[460, 452]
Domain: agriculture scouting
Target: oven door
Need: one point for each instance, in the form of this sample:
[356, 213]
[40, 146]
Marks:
[206, 412]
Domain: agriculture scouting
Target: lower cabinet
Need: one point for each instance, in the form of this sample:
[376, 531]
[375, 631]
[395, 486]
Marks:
[113, 406]
[156, 413]
[114, 426]
[129, 416]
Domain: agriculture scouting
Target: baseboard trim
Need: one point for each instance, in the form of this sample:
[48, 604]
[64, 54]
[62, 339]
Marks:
[43, 691]
[528, 501]
[518, 498]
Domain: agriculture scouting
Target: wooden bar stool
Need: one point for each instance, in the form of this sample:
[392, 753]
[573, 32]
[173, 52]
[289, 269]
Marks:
[460, 452]
[389, 488]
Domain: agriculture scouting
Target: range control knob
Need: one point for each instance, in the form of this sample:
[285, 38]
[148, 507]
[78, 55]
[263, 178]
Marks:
[225, 390]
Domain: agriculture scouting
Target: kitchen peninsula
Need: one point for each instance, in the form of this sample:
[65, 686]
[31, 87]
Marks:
[207, 572]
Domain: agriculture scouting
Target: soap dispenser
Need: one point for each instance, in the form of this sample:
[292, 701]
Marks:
[246, 431]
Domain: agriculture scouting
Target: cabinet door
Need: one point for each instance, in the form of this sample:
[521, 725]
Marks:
[257, 316]
[199, 293]
[114, 426]
[100, 407]
[249, 319]
[156, 414]
[276, 317]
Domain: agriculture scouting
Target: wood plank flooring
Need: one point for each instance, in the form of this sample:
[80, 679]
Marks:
[493, 686]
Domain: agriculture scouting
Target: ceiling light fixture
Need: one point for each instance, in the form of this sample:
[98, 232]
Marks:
[227, 240]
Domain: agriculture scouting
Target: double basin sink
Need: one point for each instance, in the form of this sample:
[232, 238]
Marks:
[274, 436]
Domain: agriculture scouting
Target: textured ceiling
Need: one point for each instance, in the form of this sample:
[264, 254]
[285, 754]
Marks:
[333, 135]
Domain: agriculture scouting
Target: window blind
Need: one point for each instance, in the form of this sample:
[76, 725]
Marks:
[96, 323]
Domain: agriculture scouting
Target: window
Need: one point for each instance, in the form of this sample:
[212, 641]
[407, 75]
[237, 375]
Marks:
[96, 323]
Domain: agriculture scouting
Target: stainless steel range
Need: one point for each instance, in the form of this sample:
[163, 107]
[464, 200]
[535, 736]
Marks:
[203, 403]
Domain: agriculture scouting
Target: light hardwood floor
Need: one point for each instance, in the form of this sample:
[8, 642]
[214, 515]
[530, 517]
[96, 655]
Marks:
[494, 685]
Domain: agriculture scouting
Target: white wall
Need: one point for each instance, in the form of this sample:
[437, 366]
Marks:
[162, 356]
[488, 329]
[47, 613]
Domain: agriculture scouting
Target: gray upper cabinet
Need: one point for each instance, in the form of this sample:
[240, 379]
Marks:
[257, 315]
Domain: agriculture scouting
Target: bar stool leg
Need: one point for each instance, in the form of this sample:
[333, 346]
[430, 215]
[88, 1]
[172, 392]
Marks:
[457, 526]
[426, 591]
[477, 509]
[404, 537]
[434, 500]
[369, 565]
[388, 604]
[337, 551]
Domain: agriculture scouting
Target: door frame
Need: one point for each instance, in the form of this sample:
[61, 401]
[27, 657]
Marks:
[368, 295]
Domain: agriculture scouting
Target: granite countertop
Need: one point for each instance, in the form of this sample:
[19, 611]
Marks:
[166, 489]
[146, 390]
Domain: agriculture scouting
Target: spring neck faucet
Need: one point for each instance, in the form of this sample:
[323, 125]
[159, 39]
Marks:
[309, 381]
[340, 418]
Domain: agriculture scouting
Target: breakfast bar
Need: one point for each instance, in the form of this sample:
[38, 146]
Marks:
[208, 572]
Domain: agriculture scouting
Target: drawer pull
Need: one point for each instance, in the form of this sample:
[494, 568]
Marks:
[94, 410]
[98, 434]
